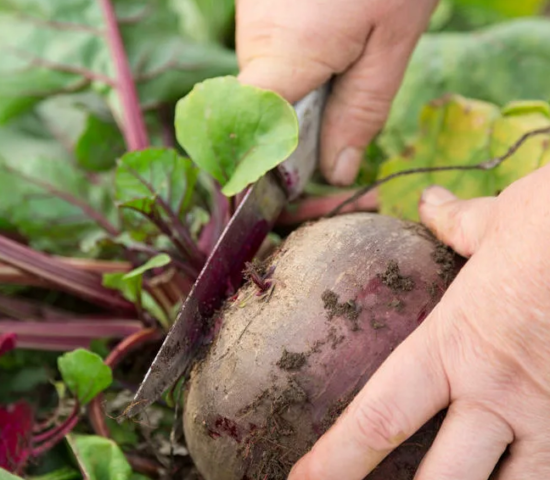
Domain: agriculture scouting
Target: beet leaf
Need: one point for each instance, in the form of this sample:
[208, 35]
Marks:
[99, 458]
[235, 132]
[62, 47]
[85, 374]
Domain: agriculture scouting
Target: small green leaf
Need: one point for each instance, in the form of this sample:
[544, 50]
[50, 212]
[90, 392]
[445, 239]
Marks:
[99, 458]
[459, 131]
[143, 177]
[235, 132]
[134, 286]
[84, 373]
[100, 145]
[130, 285]
[156, 262]
[5, 475]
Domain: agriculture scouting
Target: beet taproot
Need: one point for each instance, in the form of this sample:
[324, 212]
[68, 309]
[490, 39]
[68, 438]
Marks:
[287, 361]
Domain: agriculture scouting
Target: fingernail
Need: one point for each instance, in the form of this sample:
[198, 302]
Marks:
[435, 196]
[346, 166]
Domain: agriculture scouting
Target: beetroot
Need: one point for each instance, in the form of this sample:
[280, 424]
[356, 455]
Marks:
[288, 358]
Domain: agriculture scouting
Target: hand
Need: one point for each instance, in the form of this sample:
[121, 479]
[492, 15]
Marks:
[294, 46]
[484, 352]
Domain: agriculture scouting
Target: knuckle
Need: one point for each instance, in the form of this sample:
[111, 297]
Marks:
[378, 426]
[364, 112]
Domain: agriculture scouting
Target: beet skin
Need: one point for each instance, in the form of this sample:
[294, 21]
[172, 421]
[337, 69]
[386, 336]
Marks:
[284, 364]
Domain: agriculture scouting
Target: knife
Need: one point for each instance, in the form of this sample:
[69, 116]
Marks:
[222, 274]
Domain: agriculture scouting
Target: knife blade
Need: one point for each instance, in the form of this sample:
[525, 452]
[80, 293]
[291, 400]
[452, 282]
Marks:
[251, 223]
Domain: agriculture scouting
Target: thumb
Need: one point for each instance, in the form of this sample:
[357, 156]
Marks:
[460, 224]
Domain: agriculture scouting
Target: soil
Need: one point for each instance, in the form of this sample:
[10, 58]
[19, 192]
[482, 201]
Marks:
[349, 310]
[277, 433]
[445, 258]
[392, 278]
[291, 360]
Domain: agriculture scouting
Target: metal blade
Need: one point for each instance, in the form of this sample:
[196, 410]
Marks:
[222, 274]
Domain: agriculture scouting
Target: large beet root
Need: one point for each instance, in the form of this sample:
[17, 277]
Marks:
[346, 292]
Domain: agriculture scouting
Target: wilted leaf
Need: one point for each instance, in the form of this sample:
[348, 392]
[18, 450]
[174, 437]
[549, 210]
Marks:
[99, 458]
[458, 131]
[498, 64]
[235, 132]
[59, 47]
[85, 374]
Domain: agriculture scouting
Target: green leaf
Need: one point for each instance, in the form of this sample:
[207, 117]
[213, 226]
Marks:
[5, 475]
[100, 145]
[65, 473]
[156, 262]
[58, 47]
[235, 132]
[41, 190]
[465, 15]
[498, 64]
[99, 458]
[130, 285]
[144, 177]
[499, 9]
[208, 21]
[85, 374]
[459, 131]
[155, 172]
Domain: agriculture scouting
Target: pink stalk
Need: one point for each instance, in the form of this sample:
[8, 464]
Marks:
[65, 335]
[52, 437]
[73, 280]
[312, 208]
[128, 345]
[134, 130]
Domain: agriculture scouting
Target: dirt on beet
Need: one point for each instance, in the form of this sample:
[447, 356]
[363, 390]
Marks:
[291, 360]
[349, 310]
[446, 260]
[393, 278]
[277, 434]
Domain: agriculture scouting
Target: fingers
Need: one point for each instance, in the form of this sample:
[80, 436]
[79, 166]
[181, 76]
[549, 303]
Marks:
[406, 391]
[292, 78]
[468, 446]
[362, 96]
[526, 460]
[293, 47]
[460, 224]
